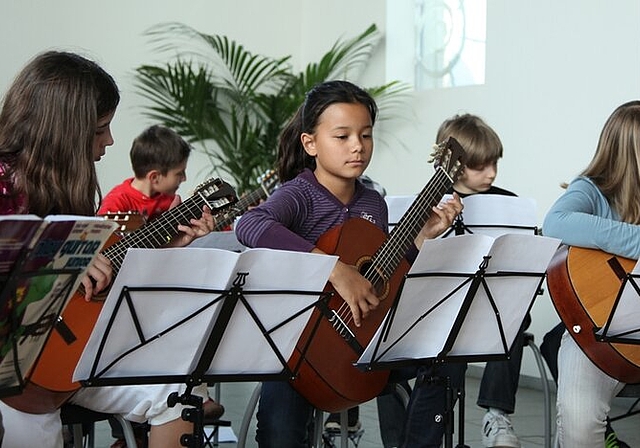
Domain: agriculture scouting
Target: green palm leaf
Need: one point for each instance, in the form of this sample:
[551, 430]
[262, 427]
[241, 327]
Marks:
[235, 103]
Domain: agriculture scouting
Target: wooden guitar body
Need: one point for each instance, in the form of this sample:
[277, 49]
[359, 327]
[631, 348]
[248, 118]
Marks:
[327, 377]
[331, 343]
[50, 383]
[583, 284]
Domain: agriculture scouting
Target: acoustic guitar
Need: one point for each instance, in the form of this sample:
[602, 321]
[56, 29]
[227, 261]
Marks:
[130, 221]
[583, 284]
[330, 344]
[50, 384]
[268, 182]
[127, 221]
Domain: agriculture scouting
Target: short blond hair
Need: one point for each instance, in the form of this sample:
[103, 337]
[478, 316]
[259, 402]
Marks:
[480, 142]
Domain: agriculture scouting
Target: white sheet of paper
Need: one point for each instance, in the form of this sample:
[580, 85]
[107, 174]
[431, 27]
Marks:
[243, 348]
[397, 206]
[488, 214]
[498, 209]
[428, 306]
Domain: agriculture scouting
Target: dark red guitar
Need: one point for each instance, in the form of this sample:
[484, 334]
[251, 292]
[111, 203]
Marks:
[327, 377]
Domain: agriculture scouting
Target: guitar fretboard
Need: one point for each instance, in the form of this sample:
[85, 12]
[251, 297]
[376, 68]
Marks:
[162, 229]
[388, 257]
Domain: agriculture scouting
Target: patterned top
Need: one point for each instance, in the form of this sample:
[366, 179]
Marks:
[301, 210]
[9, 203]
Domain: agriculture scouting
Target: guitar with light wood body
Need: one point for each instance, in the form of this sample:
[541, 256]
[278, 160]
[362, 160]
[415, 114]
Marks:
[583, 284]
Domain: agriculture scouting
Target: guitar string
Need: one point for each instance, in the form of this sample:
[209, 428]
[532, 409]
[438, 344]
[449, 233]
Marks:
[391, 252]
[242, 204]
[148, 236]
[394, 249]
[388, 256]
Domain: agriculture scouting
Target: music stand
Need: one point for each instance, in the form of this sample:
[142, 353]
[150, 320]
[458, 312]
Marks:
[622, 323]
[245, 311]
[477, 285]
[495, 215]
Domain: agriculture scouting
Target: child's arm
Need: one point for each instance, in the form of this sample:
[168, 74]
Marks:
[270, 224]
[354, 289]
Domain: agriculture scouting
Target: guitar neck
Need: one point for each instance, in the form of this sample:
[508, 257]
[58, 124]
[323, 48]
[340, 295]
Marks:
[158, 232]
[243, 204]
[390, 254]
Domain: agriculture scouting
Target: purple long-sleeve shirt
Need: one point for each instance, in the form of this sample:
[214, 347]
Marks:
[302, 210]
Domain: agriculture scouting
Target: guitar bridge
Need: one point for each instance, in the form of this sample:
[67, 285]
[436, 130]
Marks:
[64, 331]
[341, 328]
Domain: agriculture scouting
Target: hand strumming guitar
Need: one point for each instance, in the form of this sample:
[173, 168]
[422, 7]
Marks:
[99, 275]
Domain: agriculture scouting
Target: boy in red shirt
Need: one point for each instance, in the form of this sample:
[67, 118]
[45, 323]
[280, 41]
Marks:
[159, 161]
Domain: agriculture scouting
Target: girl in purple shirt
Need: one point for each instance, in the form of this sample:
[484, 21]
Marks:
[323, 150]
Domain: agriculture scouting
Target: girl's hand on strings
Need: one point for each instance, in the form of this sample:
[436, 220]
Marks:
[355, 290]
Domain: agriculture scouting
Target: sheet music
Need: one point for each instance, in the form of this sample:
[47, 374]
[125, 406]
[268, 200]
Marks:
[430, 304]
[397, 206]
[219, 240]
[243, 348]
[489, 214]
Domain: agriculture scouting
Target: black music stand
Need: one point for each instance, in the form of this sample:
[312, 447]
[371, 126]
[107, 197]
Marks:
[478, 286]
[495, 215]
[622, 322]
[248, 328]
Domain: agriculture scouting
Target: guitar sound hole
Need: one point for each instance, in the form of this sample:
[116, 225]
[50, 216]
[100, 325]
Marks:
[375, 276]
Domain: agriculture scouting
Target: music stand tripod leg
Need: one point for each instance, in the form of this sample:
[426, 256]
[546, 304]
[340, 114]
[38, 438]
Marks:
[452, 396]
[194, 415]
[461, 394]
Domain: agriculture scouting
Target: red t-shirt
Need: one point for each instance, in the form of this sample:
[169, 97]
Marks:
[124, 198]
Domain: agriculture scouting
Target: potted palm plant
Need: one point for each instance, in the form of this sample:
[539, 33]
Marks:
[233, 103]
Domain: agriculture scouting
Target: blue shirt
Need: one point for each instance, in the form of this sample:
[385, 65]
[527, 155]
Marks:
[583, 217]
[301, 210]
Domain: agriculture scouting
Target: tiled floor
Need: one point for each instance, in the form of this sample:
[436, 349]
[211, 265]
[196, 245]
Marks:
[527, 420]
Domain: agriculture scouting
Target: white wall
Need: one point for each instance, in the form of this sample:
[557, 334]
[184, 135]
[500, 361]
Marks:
[555, 71]
[112, 34]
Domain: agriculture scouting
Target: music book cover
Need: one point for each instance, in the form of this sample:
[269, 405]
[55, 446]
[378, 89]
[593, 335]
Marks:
[43, 261]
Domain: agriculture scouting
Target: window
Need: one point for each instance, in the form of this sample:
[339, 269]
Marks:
[448, 41]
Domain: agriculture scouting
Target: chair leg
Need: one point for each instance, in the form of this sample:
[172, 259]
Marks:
[78, 436]
[127, 430]
[548, 436]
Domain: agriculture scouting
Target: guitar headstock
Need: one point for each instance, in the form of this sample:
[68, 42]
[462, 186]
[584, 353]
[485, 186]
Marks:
[449, 156]
[127, 221]
[269, 181]
[216, 193]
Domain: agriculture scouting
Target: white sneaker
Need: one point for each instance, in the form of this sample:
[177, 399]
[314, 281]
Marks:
[498, 432]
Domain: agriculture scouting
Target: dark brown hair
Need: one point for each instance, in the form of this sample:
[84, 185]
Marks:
[48, 123]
